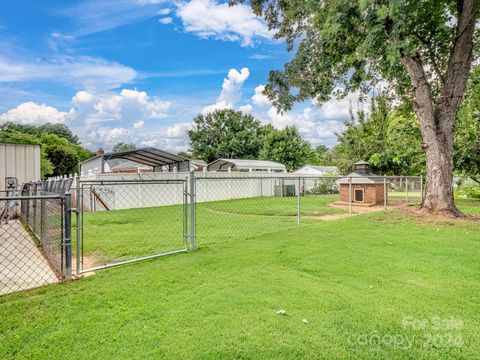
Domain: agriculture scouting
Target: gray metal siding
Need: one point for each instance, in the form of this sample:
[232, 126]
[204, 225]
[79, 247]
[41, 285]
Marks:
[20, 161]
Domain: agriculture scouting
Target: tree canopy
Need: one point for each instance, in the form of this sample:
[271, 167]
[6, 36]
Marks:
[123, 146]
[344, 46]
[60, 130]
[467, 131]
[389, 138]
[286, 147]
[225, 134]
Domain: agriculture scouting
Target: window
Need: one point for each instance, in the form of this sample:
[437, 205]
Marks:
[358, 197]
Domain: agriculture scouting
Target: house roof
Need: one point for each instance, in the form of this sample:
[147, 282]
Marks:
[319, 168]
[241, 164]
[198, 162]
[148, 156]
[118, 164]
[357, 178]
[361, 162]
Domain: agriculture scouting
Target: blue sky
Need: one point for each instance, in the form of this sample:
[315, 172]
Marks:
[140, 70]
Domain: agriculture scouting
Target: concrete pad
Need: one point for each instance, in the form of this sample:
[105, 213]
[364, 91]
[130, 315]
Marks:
[22, 265]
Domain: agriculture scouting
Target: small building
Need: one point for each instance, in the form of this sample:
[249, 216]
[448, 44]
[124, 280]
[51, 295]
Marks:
[126, 167]
[149, 159]
[245, 165]
[19, 164]
[198, 165]
[367, 188]
[317, 170]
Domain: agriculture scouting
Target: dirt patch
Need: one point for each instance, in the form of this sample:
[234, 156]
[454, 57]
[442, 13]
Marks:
[368, 209]
[432, 219]
[89, 261]
[332, 217]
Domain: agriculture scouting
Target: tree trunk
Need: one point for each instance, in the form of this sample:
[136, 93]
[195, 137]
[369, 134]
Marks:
[439, 178]
[437, 118]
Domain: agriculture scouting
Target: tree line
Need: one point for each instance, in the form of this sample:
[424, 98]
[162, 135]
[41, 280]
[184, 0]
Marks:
[387, 136]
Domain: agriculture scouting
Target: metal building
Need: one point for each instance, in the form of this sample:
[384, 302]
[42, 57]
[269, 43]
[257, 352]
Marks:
[19, 163]
[158, 160]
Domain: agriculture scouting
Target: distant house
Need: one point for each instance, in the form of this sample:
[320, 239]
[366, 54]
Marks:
[143, 160]
[126, 166]
[245, 165]
[317, 170]
[197, 165]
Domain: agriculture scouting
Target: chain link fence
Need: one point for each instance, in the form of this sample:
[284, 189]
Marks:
[125, 221]
[34, 239]
[243, 206]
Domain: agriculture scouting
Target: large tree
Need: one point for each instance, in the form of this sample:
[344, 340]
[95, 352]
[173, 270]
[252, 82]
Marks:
[225, 134]
[420, 49]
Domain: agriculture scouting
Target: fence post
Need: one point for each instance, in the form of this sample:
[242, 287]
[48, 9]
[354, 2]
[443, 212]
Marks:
[421, 189]
[68, 234]
[406, 190]
[350, 195]
[185, 215]
[385, 192]
[298, 202]
[79, 208]
[193, 240]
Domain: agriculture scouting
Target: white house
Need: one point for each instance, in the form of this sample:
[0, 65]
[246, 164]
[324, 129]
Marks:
[245, 165]
[317, 170]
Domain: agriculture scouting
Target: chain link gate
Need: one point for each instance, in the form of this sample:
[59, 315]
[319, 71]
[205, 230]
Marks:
[124, 221]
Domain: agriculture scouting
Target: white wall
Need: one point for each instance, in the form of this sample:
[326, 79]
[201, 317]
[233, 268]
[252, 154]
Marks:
[210, 186]
[91, 164]
[20, 161]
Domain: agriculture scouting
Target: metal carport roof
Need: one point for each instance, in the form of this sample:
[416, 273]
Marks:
[152, 157]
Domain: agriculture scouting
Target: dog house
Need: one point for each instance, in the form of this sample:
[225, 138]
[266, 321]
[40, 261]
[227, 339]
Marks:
[367, 188]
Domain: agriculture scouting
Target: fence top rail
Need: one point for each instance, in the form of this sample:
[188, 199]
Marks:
[295, 176]
[33, 197]
[138, 181]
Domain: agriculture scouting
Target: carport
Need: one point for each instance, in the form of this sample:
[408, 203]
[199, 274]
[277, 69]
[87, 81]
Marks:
[159, 160]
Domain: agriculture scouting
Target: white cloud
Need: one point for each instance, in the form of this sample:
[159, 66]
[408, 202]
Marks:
[138, 125]
[231, 90]
[178, 130]
[165, 11]
[279, 120]
[166, 20]
[259, 98]
[150, 143]
[310, 122]
[87, 72]
[92, 16]
[33, 113]
[129, 105]
[209, 19]
[107, 137]
[143, 2]
[261, 57]
[246, 108]
[132, 115]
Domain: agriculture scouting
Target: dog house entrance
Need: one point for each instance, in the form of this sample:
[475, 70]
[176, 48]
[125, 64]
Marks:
[358, 195]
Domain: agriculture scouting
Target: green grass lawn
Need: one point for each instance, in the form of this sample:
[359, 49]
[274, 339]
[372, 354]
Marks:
[112, 236]
[351, 279]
